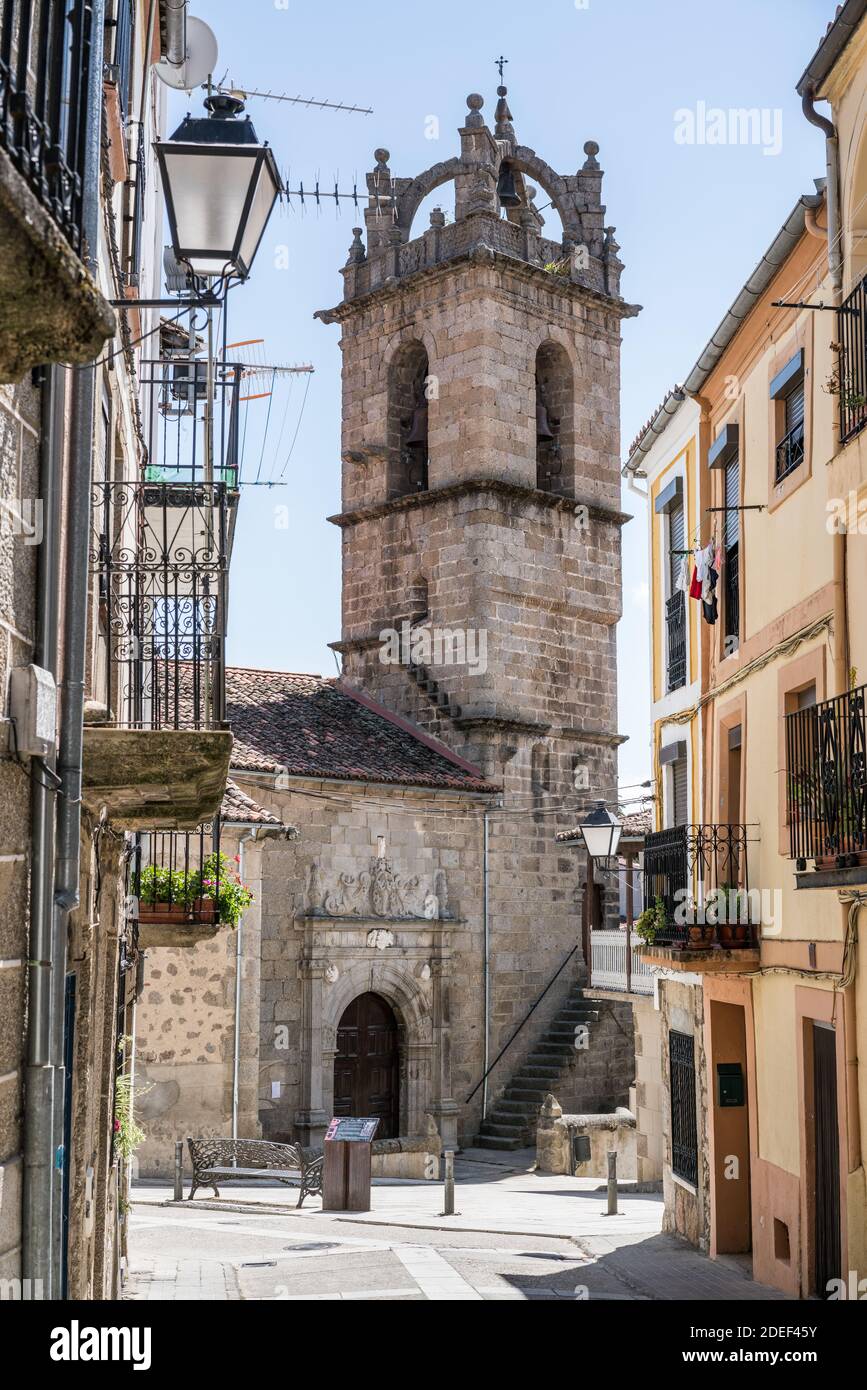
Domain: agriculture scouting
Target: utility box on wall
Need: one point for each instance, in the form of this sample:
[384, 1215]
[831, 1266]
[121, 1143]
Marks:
[33, 709]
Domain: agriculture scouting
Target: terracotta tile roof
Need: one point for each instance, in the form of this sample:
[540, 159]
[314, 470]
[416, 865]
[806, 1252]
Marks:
[313, 727]
[239, 808]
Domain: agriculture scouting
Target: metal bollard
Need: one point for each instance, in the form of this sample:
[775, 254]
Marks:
[449, 1176]
[179, 1170]
[612, 1182]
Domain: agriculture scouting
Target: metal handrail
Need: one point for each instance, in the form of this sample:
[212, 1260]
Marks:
[531, 1010]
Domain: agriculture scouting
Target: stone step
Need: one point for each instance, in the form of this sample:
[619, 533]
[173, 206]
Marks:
[550, 1048]
[506, 1129]
[526, 1094]
[492, 1141]
[516, 1107]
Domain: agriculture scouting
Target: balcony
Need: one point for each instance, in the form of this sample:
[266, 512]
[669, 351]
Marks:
[50, 308]
[675, 622]
[826, 791]
[696, 880]
[852, 363]
[183, 887]
[156, 746]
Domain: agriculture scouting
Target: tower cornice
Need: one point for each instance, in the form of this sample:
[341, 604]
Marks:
[480, 253]
[596, 511]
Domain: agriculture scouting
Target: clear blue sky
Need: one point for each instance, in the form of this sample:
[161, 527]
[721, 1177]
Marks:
[692, 222]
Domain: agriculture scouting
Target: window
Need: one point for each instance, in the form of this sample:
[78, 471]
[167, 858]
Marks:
[787, 390]
[408, 421]
[669, 505]
[684, 1126]
[673, 758]
[555, 465]
[731, 535]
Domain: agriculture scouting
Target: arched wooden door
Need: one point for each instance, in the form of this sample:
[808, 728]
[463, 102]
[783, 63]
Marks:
[366, 1070]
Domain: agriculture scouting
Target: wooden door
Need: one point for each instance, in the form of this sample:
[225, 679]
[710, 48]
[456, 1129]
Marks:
[826, 1139]
[366, 1072]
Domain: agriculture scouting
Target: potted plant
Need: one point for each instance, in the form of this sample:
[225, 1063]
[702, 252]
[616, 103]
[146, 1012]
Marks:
[651, 922]
[219, 891]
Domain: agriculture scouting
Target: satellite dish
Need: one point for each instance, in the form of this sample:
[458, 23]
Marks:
[201, 58]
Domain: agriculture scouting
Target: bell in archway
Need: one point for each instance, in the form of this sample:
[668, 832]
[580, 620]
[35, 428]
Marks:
[417, 437]
[507, 193]
[544, 432]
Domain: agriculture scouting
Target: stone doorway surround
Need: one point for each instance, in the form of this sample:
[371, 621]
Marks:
[376, 933]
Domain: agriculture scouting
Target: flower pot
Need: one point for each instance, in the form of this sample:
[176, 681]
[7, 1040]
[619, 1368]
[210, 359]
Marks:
[154, 913]
[732, 934]
[203, 910]
[701, 938]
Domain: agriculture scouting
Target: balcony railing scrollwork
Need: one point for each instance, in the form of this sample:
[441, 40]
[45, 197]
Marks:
[159, 557]
[826, 782]
[699, 875]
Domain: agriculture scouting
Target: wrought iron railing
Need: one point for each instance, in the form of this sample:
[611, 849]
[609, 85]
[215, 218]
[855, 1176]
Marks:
[852, 362]
[159, 556]
[790, 452]
[45, 65]
[179, 877]
[683, 867]
[826, 781]
[675, 621]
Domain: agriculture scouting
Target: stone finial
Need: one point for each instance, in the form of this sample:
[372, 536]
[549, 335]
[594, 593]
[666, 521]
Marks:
[503, 130]
[382, 157]
[357, 253]
[430, 1128]
[438, 218]
[591, 149]
[612, 246]
[475, 103]
[550, 1109]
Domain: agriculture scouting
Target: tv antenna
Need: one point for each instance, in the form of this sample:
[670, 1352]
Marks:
[234, 89]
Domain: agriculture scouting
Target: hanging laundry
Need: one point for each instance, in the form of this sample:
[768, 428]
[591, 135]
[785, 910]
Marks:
[695, 586]
[684, 578]
[709, 604]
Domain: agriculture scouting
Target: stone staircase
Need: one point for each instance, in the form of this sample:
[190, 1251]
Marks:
[511, 1124]
[435, 693]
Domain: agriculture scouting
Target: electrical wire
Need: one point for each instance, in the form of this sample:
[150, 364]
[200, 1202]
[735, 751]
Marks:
[297, 428]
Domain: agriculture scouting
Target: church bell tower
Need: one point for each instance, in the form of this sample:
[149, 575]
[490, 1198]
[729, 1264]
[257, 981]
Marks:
[481, 487]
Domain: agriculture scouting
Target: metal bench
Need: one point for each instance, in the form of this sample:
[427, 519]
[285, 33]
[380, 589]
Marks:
[253, 1158]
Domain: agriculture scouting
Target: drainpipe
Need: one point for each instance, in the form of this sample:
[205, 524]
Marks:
[74, 620]
[486, 962]
[254, 831]
[176, 33]
[832, 166]
[39, 1075]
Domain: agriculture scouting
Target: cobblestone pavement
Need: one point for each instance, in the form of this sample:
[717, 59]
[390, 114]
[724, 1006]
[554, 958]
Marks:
[517, 1235]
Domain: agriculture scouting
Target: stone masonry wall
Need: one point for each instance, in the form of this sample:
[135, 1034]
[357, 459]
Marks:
[19, 478]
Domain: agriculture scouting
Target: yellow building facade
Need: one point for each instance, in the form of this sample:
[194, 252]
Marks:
[758, 864]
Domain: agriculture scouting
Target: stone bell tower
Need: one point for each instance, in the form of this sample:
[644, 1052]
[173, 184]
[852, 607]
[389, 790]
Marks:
[481, 492]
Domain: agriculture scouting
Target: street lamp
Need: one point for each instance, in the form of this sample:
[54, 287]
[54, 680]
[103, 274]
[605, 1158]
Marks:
[601, 832]
[220, 186]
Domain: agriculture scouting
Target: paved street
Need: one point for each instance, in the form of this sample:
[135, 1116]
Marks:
[516, 1235]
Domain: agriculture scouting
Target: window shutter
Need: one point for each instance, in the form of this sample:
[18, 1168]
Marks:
[677, 537]
[680, 805]
[795, 408]
[733, 489]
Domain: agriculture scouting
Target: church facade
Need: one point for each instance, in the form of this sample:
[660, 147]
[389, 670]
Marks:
[398, 942]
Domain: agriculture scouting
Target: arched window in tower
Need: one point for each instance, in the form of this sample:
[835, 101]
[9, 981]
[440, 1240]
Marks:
[555, 446]
[408, 421]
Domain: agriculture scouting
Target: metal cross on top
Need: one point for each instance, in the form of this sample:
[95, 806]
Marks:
[500, 63]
